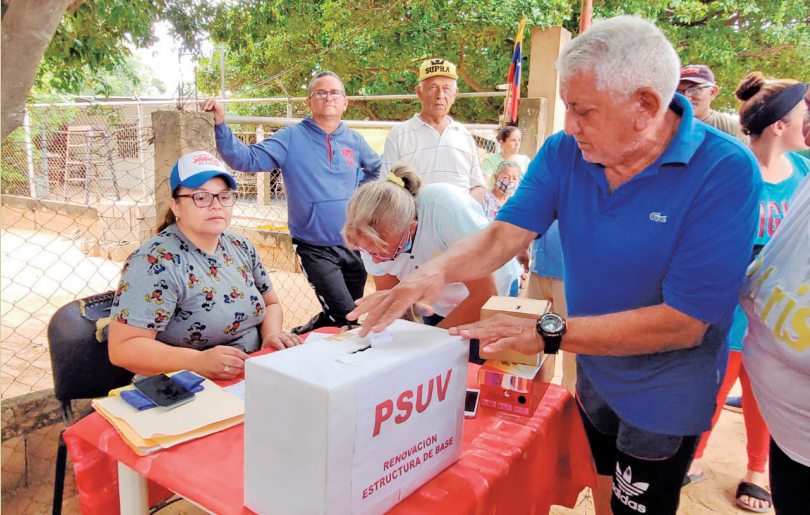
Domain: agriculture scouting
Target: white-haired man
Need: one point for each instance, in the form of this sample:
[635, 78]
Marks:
[440, 148]
[656, 216]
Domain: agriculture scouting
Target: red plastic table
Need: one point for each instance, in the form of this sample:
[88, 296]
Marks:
[508, 464]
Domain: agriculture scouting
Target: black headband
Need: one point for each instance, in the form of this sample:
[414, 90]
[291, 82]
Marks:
[773, 110]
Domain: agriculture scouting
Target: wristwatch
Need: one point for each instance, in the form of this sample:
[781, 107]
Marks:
[551, 328]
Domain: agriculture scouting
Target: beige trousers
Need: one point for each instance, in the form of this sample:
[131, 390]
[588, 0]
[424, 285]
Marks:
[548, 288]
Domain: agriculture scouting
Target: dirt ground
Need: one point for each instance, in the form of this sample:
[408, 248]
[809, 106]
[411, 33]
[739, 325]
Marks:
[724, 464]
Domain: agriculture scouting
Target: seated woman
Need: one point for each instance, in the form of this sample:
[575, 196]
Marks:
[196, 296]
[507, 178]
[398, 224]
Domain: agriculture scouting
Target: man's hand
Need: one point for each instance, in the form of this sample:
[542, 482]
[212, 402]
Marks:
[218, 108]
[524, 258]
[423, 288]
[502, 332]
[281, 341]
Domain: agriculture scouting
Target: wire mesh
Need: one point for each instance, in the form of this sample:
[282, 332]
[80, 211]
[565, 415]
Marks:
[78, 196]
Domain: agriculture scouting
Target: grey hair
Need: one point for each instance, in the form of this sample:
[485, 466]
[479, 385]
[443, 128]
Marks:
[322, 74]
[383, 205]
[506, 164]
[625, 53]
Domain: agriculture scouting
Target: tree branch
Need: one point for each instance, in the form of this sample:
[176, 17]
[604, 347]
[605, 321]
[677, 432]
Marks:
[27, 30]
[463, 74]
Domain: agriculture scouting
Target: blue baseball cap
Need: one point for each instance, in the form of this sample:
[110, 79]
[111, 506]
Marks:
[196, 168]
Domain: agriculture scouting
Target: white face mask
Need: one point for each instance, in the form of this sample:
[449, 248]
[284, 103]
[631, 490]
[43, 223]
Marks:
[506, 187]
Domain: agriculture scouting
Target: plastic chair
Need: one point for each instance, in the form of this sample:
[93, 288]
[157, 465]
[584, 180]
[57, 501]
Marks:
[81, 366]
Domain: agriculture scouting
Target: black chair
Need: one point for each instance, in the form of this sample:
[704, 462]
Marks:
[81, 366]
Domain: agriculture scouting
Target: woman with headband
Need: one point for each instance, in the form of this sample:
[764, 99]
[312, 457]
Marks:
[777, 347]
[771, 115]
[397, 224]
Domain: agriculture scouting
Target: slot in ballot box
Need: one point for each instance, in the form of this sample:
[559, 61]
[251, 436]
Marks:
[518, 307]
[341, 427]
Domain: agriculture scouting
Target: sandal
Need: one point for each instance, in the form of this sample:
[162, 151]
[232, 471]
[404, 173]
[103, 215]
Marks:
[754, 492]
[695, 478]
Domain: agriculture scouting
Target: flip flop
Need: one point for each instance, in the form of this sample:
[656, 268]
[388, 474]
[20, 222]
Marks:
[734, 404]
[694, 478]
[755, 492]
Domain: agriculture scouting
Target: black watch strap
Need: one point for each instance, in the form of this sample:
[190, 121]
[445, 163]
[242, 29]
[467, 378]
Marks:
[551, 339]
[551, 344]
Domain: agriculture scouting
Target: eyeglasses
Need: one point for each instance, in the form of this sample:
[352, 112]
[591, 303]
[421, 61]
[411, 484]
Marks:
[334, 95]
[694, 90]
[205, 199]
[402, 242]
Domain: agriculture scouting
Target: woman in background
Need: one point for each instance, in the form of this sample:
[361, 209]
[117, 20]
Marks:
[509, 138]
[507, 178]
[771, 114]
[777, 346]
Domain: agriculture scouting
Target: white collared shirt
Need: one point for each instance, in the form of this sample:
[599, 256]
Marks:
[450, 157]
[445, 216]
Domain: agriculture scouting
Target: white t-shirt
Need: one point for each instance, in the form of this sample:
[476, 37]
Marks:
[445, 214]
[450, 157]
[776, 350]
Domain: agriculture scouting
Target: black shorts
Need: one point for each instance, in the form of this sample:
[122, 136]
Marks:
[647, 468]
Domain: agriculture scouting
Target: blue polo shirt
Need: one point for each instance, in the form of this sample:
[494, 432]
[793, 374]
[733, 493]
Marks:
[680, 233]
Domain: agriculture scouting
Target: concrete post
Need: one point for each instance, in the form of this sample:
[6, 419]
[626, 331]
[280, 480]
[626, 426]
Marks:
[177, 133]
[532, 116]
[264, 196]
[544, 80]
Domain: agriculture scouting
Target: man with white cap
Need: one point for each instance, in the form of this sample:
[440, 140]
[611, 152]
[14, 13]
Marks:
[697, 84]
[440, 148]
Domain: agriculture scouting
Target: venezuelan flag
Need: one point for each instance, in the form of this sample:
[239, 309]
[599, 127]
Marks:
[513, 79]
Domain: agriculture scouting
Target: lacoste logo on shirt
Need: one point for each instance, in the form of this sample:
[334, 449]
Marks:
[624, 489]
[658, 217]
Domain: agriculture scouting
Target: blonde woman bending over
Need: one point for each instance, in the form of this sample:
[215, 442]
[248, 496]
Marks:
[398, 224]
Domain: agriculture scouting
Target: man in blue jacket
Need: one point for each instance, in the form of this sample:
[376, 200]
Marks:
[322, 162]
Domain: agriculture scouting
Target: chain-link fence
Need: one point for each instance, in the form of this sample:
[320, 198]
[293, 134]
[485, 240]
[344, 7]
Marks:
[78, 196]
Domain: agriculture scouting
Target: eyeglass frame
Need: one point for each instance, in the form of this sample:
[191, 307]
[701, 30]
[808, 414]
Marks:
[695, 89]
[233, 194]
[333, 94]
[405, 239]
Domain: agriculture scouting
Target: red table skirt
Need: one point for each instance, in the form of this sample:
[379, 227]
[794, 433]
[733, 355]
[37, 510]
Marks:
[508, 464]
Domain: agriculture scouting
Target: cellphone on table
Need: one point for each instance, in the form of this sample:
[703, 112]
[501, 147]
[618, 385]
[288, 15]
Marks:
[471, 403]
[164, 392]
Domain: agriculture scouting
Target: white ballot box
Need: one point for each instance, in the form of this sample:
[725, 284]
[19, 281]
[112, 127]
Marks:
[340, 427]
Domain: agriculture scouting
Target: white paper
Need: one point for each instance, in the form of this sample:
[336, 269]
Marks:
[379, 338]
[237, 390]
[209, 406]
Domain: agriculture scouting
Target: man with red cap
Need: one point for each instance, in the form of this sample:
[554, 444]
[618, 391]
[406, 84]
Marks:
[698, 85]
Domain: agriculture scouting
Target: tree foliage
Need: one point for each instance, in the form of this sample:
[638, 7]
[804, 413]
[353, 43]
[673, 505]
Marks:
[89, 45]
[732, 37]
[133, 77]
[376, 46]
